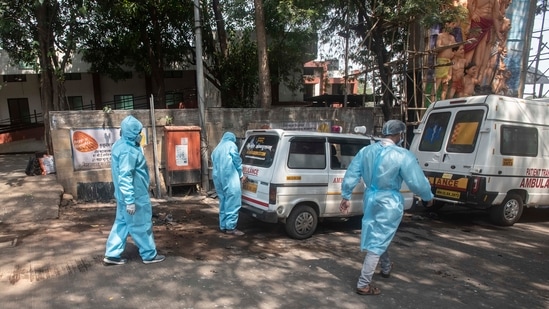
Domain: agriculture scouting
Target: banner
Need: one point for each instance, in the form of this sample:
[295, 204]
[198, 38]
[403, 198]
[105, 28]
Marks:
[91, 148]
[522, 14]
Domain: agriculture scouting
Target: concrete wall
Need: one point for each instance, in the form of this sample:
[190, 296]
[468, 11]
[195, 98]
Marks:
[218, 120]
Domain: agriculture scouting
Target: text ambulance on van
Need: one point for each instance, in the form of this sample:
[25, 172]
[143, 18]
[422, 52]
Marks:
[486, 152]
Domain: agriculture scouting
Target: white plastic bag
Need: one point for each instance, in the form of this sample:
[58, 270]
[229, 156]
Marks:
[47, 164]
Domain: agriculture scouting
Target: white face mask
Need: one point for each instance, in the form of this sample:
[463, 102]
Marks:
[401, 141]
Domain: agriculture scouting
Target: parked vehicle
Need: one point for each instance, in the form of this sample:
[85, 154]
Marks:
[486, 152]
[294, 177]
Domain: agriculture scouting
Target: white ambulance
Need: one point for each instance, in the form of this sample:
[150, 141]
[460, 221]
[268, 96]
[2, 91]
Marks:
[295, 177]
[486, 152]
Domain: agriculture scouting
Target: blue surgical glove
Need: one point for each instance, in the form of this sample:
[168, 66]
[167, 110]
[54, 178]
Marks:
[130, 208]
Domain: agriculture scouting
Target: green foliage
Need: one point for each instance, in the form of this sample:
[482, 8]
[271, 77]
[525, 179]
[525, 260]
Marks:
[168, 121]
[240, 71]
[445, 14]
[378, 32]
[138, 35]
[21, 30]
[18, 32]
[107, 109]
[43, 34]
[116, 36]
[291, 30]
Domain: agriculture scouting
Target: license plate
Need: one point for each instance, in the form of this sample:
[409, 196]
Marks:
[448, 193]
[250, 186]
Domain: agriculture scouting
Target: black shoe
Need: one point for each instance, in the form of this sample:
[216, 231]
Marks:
[157, 259]
[234, 232]
[114, 261]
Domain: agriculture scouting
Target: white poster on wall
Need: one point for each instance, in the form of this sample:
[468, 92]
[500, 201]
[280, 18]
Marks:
[182, 152]
[91, 148]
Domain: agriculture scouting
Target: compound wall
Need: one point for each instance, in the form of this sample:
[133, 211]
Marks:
[96, 184]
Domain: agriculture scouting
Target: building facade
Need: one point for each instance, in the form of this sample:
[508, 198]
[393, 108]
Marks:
[20, 89]
[324, 77]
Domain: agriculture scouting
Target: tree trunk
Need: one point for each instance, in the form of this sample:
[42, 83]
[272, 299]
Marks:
[155, 54]
[221, 32]
[223, 43]
[62, 102]
[45, 40]
[378, 46]
[264, 75]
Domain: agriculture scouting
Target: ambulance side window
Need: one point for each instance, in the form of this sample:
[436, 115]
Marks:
[307, 153]
[519, 141]
[435, 130]
[345, 150]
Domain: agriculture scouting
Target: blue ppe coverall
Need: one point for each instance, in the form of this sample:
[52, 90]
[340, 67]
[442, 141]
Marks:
[226, 174]
[130, 176]
[383, 166]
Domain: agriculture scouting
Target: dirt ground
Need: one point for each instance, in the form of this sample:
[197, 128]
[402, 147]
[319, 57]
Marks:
[453, 259]
[190, 230]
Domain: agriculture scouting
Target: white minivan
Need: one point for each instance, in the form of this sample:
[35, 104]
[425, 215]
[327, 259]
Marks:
[486, 152]
[294, 177]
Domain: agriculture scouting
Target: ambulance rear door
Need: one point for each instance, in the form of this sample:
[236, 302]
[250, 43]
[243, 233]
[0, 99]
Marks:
[258, 155]
[448, 146]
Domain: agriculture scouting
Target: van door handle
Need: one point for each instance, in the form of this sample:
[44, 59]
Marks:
[446, 156]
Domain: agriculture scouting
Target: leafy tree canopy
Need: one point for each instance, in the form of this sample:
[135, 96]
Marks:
[378, 32]
[148, 35]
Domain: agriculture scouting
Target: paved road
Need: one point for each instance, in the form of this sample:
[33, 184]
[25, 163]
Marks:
[453, 260]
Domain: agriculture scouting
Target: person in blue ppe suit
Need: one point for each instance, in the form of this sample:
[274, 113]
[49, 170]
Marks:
[227, 177]
[130, 176]
[382, 166]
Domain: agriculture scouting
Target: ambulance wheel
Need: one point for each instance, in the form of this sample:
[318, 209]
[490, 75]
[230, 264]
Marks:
[508, 212]
[302, 222]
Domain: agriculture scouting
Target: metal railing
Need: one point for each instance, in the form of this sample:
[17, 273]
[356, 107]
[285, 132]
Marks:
[140, 102]
[37, 119]
[16, 124]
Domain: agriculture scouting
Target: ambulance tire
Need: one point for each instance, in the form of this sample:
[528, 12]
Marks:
[302, 222]
[508, 212]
